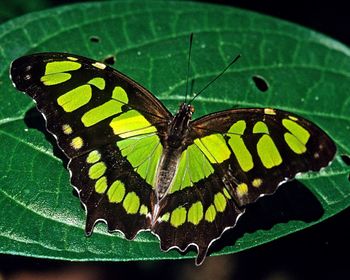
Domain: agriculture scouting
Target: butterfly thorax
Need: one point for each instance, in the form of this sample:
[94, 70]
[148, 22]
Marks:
[173, 145]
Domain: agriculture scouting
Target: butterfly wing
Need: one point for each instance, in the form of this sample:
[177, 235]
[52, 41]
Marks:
[265, 147]
[109, 127]
[235, 157]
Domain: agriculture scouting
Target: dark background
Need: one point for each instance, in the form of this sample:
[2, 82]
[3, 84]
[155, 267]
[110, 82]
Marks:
[319, 252]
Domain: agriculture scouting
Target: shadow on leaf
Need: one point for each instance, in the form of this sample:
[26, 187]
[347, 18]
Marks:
[292, 202]
[34, 120]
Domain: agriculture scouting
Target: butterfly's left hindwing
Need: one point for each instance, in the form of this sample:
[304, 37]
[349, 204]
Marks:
[109, 127]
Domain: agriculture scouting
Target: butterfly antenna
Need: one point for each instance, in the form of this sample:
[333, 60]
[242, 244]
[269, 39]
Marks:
[188, 65]
[217, 77]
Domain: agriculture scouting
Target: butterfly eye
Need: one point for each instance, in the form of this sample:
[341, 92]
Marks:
[191, 109]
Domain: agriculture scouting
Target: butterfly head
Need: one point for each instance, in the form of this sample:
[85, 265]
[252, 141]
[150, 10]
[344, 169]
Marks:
[178, 129]
[186, 109]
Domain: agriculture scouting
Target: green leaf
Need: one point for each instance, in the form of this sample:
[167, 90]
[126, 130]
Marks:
[10, 9]
[306, 73]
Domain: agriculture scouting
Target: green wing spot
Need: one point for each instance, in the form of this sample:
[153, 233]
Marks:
[93, 157]
[242, 154]
[97, 170]
[178, 216]
[268, 152]
[210, 214]
[101, 185]
[61, 66]
[260, 127]
[143, 210]
[294, 143]
[238, 127]
[98, 82]
[220, 202]
[55, 79]
[165, 217]
[75, 98]
[143, 153]
[214, 147]
[102, 112]
[131, 203]
[182, 177]
[130, 124]
[193, 166]
[120, 95]
[297, 130]
[226, 193]
[116, 192]
[195, 213]
[107, 109]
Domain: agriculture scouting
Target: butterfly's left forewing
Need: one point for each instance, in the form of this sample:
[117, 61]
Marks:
[109, 127]
[264, 148]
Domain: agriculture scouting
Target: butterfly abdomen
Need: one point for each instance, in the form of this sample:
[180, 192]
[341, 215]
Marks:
[174, 144]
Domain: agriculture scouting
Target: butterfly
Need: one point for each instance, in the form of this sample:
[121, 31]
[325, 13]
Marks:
[136, 166]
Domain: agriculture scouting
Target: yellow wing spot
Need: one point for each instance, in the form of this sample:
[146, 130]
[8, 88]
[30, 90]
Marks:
[269, 111]
[178, 216]
[143, 210]
[268, 152]
[72, 58]
[97, 170]
[210, 214]
[293, 118]
[220, 202]
[77, 143]
[257, 182]
[116, 192]
[242, 189]
[61, 66]
[67, 129]
[195, 213]
[101, 185]
[93, 157]
[165, 217]
[131, 203]
[99, 65]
